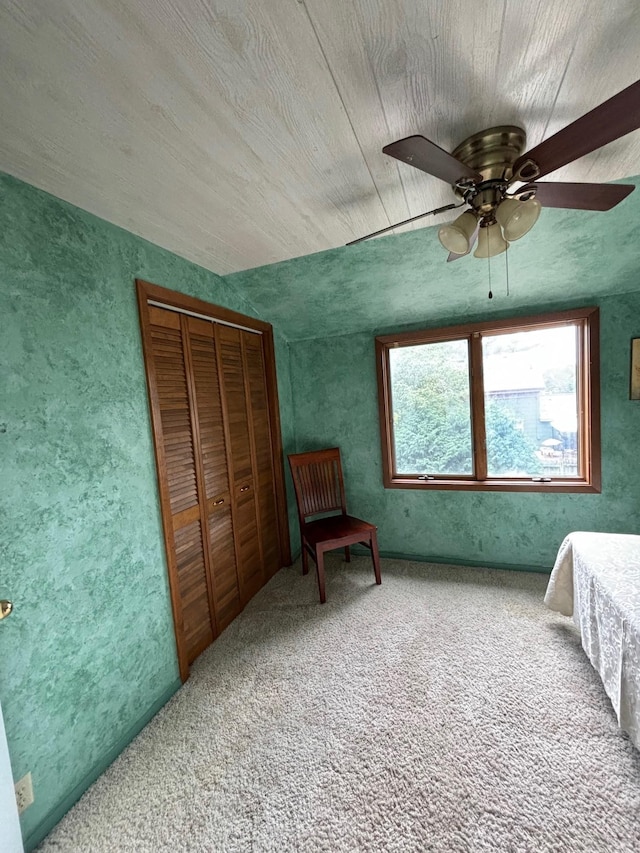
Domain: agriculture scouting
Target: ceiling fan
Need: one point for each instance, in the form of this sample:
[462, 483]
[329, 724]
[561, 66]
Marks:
[484, 167]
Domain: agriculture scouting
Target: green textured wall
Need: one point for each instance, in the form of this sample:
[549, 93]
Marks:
[89, 652]
[334, 388]
[287, 418]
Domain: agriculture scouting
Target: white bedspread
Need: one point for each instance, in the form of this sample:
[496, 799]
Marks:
[596, 579]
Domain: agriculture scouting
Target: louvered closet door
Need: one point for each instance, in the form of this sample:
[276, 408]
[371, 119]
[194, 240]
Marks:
[240, 442]
[216, 486]
[171, 384]
[264, 477]
[212, 394]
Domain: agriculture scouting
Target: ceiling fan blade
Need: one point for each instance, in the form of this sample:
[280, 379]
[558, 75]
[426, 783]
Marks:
[579, 196]
[611, 120]
[472, 242]
[423, 154]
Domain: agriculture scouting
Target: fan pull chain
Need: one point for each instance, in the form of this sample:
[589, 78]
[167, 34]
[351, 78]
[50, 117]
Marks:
[506, 261]
[490, 291]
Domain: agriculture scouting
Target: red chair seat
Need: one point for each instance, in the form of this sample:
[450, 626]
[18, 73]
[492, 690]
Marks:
[339, 528]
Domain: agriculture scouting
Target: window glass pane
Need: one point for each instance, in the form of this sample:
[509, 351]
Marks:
[531, 403]
[431, 408]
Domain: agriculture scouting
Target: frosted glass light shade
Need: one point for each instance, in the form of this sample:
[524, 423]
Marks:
[490, 242]
[455, 236]
[517, 217]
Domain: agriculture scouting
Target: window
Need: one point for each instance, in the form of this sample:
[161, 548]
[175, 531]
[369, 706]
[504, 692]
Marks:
[507, 405]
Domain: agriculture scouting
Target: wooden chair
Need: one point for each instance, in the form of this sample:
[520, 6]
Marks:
[319, 485]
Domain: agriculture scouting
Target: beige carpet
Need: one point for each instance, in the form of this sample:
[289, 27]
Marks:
[446, 710]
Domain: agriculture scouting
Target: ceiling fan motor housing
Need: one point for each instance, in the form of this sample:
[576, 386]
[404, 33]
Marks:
[491, 153]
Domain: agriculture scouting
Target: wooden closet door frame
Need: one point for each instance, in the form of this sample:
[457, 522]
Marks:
[147, 293]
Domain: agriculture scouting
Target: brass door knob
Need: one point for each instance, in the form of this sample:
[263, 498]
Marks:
[5, 608]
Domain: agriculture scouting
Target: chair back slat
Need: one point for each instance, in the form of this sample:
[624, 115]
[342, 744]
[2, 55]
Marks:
[318, 481]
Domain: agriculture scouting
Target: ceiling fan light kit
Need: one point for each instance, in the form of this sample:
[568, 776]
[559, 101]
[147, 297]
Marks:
[490, 241]
[484, 168]
[517, 218]
[457, 235]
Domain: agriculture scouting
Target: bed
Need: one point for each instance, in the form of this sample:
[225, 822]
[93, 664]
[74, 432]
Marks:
[596, 580]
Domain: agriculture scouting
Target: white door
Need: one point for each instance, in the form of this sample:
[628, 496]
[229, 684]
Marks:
[10, 835]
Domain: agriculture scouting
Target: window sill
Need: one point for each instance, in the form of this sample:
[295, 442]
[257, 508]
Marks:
[559, 486]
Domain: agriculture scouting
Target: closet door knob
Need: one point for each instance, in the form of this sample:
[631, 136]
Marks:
[244, 489]
[217, 503]
[6, 608]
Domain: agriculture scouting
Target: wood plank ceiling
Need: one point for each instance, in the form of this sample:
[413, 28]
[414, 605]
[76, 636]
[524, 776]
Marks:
[241, 132]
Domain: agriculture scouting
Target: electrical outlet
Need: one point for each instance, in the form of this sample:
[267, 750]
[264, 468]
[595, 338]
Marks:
[24, 793]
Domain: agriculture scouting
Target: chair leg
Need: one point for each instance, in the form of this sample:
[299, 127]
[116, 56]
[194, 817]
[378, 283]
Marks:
[375, 556]
[320, 569]
[305, 559]
[347, 554]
